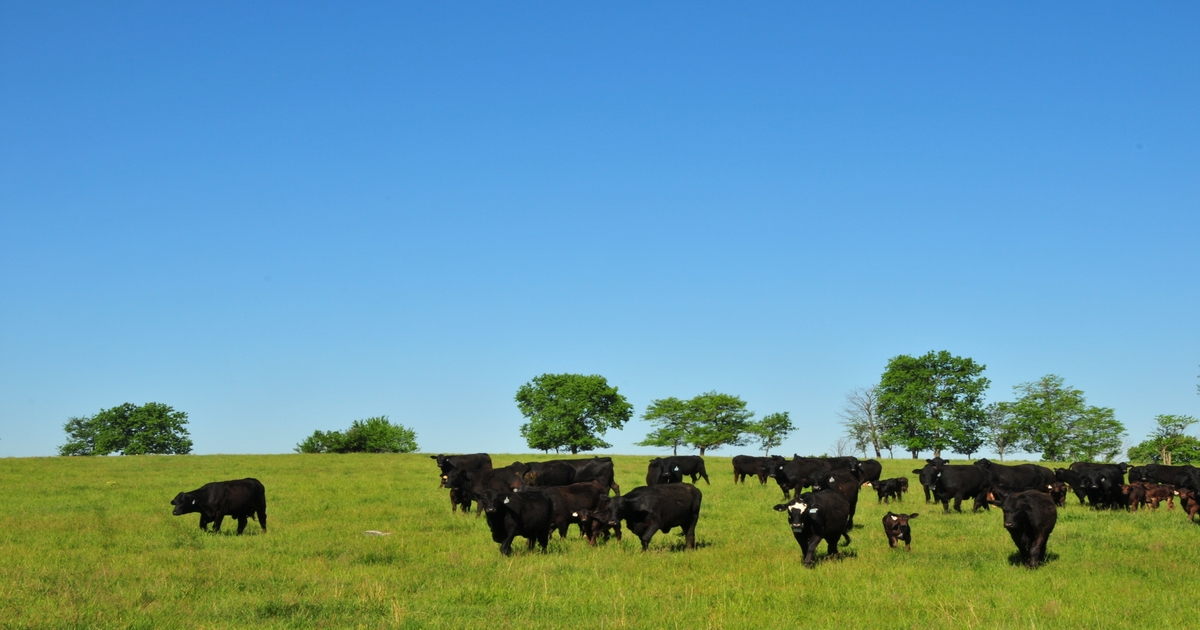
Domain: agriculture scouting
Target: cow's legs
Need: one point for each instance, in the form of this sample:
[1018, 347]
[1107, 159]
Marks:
[506, 544]
[648, 533]
[262, 518]
[705, 475]
[241, 524]
[958, 503]
[544, 541]
[203, 523]
[810, 551]
[689, 534]
[832, 549]
[217, 518]
[1037, 553]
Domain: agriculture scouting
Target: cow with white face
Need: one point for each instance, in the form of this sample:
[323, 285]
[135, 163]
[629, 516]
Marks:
[817, 516]
[895, 526]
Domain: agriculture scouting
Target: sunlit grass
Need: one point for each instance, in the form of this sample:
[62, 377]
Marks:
[92, 543]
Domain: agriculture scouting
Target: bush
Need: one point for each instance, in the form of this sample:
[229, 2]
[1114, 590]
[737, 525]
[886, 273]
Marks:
[373, 435]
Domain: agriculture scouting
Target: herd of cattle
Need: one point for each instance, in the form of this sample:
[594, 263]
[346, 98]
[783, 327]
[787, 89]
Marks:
[532, 500]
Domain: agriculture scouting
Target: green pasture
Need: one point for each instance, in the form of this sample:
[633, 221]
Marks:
[90, 542]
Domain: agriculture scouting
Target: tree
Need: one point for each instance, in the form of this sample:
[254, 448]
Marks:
[1055, 420]
[151, 429]
[674, 420]
[718, 420]
[934, 401]
[1168, 444]
[771, 430]
[373, 435]
[570, 411]
[860, 416]
[1002, 432]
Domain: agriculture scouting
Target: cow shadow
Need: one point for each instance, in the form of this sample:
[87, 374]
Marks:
[1014, 559]
[681, 545]
[843, 554]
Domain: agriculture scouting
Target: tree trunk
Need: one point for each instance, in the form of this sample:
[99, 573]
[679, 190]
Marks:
[914, 454]
[937, 452]
[574, 450]
[675, 450]
[701, 451]
[878, 455]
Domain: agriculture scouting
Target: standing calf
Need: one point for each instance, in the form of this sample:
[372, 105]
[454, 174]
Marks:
[240, 499]
[895, 526]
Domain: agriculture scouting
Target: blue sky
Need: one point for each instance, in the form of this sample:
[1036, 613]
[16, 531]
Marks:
[281, 218]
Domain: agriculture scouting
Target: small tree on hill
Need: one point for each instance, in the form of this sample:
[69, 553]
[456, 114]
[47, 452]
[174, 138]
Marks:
[570, 411]
[719, 420]
[674, 420]
[1168, 444]
[771, 430]
[373, 435]
[151, 429]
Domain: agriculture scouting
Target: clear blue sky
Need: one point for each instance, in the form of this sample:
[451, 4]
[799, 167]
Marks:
[281, 218]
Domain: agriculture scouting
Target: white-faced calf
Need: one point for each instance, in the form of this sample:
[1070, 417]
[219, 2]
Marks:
[895, 526]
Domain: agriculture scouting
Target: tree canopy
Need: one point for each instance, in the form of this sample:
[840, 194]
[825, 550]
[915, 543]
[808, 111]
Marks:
[570, 412]
[860, 416]
[1168, 444]
[1055, 420]
[771, 430]
[705, 422]
[674, 421]
[933, 402]
[127, 429]
[373, 435]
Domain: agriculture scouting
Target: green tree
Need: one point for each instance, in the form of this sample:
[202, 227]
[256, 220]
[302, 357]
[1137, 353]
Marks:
[1168, 444]
[570, 411]
[1055, 420]
[373, 435]
[673, 419]
[771, 430]
[718, 420]
[934, 401]
[127, 429]
[1002, 431]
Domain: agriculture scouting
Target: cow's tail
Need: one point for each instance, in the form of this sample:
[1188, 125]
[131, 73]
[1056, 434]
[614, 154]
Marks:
[847, 537]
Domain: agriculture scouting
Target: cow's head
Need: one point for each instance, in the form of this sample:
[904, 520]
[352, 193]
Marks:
[184, 504]
[494, 500]
[797, 510]
[983, 462]
[896, 526]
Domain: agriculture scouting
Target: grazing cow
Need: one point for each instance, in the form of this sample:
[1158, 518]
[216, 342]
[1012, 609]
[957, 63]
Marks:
[871, 470]
[1133, 496]
[1157, 493]
[1029, 517]
[546, 474]
[958, 483]
[925, 475]
[1021, 476]
[817, 516]
[844, 482]
[447, 463]
[1071, 478]
[569, 500]
[744, 465]
[651, 509]
[595, 523]
[681, 465]
[1189, 500]
[598, 469]
[240, 499]
[889, 488]
[512, 514]
[1058, 493]
[658, 473]
[1102, 484]
[895, 527]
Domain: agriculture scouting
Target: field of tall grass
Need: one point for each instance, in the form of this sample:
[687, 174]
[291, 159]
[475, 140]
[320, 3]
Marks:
[90, 542]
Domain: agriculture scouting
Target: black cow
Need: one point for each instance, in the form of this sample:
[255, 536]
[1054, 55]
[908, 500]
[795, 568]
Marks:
[1102, 483]
[926, 474]
[1189, 479]
[1029, 517]
[1071, 478]
[569, 500]
[650, 509]
[545, 474]
[472, 485]
[817, 516]
[596, 522]
[447, 463]
[1021, 476]
[598, 469]
[1161, 473]
[895, 527]
[844, 482]
[512, 514]
[800, 472]
[871, 470]
[240, 499]
[888, 489]
[958, 483]
[744, 465]
[666, 469]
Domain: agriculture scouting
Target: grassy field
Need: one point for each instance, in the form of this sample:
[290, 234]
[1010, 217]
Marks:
[90, 542]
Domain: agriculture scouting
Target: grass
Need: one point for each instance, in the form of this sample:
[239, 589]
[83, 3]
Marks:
[90, 542]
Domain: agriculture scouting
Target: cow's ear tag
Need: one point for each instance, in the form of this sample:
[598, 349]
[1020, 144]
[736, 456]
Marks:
[676, 468]
[575, 514]
[506, 499]
[812, 511]
[831, 480]
[193, 500]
